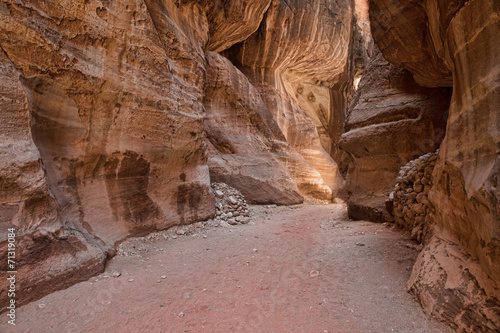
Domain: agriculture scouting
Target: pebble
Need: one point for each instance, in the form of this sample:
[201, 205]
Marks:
[313, 273]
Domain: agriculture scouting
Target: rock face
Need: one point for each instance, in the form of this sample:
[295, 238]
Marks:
[103, 131]
[232, 21]
[391, 121]
[464, 36]
[247, 149]
[405, 35]
[296, 83]
[103, 119]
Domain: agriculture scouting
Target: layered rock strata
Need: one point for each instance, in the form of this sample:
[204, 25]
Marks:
[114, 93]
[391, 121]
[456, 277]
[246, 148]
[295, 82]
[102, 120]
[232, 21]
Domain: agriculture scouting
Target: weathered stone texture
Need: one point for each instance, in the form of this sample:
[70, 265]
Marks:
[232, 21]
[401, 31]
[410, 196]
[114, 95]
[103, 111]
[300, 51]
[391, 121]
[464, 37]
[245, 143]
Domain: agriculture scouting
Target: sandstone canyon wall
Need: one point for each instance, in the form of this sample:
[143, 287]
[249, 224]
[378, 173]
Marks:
[391, 120]
[455, 43]
[299, 85]
[113, 145]
[104, 108]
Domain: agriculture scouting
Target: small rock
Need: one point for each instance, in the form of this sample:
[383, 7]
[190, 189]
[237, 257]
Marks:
[232, 222]
[163, 277]
[182, 314]
[418, 208]
[313, 273]
[416, 231]
[130, 280]
[360, 244]
[219, 194]
[418, 188]
[41, 306]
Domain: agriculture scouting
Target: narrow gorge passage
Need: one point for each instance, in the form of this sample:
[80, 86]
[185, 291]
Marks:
[122, 122]
[303, 268]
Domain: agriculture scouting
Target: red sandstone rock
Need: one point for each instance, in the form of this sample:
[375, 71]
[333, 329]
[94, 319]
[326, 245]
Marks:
[232, 21]
[114, 96]
[294, 73]
[102, 120]
[245, 143]
[401, 31]
[391, 121]
[464, 37]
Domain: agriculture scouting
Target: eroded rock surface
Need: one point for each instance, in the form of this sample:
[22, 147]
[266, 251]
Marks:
[103, 110]
[247, 149]
[246, 146]
[464, 36]
[294, 74]
[232, 21]
[404, 33]
[391, 121]
[114, 95]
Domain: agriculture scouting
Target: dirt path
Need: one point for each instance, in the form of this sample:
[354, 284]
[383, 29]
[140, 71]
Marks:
[300, 269]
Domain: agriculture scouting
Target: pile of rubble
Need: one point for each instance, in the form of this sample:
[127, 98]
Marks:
[410, 194]
[230, 205]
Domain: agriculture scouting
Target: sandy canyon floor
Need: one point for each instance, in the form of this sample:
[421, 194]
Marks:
[305, 268]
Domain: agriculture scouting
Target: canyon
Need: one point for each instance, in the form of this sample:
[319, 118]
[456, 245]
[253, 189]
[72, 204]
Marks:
[117, 118]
